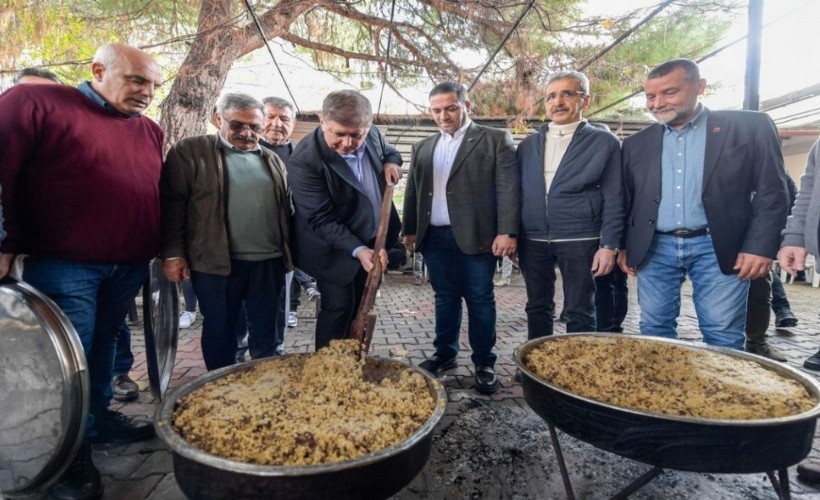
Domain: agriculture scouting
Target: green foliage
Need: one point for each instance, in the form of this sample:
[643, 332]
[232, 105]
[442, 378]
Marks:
[431, 40]
[63, 35]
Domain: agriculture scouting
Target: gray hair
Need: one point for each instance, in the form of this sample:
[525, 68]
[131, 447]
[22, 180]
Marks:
[689, 67]
[348, 108]
[581, 78]
[38, 72]
[277, 102]
[107, 54]
[235, 100]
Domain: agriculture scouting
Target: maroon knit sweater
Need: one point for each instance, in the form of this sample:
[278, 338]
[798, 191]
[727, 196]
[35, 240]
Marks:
[78, 183]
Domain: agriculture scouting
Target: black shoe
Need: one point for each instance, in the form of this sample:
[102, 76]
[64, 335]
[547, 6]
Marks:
[809, 473]
[766, 350]
[813, 363]
[81, 481]
[124, 388]
[435, 364]
[114, 427]
[785, 319]
[485, 380]
[519, 377]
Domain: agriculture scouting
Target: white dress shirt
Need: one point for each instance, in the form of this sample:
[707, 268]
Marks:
[443, 156]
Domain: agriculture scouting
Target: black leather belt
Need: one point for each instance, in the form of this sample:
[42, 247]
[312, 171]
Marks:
[686, 233]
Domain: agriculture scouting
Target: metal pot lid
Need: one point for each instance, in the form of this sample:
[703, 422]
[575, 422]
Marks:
[43, 389]
[160, 306]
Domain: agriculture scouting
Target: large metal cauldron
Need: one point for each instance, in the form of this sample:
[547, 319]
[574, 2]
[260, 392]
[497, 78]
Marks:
[684, 443]
[202, 475]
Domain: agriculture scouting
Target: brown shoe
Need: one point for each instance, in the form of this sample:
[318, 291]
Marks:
[123, 388]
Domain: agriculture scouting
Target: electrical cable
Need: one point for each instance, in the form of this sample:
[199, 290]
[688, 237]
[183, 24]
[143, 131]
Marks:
[611, 46]
[698, 60]
[520, 18]
[387, 57]
[270, 51]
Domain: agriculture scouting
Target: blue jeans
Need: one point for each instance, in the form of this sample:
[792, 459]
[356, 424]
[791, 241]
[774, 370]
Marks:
[96, 298]
[574, 259]
[189, 295]
[257, 285]
[123, 357]
[453, 275]
[720, 300]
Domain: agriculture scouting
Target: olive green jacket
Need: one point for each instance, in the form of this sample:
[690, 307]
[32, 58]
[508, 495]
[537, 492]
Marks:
[193, 204]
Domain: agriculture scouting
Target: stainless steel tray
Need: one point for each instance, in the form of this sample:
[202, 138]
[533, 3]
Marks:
[43, 389]
[160, 306]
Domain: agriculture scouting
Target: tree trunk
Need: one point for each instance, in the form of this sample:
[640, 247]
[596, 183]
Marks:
[219, 42]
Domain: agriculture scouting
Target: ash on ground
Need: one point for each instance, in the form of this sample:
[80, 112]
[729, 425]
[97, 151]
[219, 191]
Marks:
[501, 451]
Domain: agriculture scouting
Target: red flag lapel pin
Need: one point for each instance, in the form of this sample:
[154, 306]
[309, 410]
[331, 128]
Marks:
[716, 130]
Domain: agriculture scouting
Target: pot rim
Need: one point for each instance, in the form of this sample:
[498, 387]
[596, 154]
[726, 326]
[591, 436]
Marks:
[178, 445]
[809, 383]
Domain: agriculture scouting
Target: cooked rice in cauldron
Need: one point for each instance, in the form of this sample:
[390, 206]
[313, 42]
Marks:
[667, 378]
[304, 409]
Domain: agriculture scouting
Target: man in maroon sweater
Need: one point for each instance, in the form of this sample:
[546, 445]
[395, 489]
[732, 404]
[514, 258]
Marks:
[80, 171]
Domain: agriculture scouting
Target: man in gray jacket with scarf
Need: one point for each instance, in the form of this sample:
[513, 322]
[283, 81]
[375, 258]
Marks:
[572, 207]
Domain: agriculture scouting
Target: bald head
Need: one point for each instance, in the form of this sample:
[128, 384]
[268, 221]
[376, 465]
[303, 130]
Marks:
[126, 77]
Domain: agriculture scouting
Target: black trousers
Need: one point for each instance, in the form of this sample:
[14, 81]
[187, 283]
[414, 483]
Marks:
[758, 309]
[611, 301]
[574, 259]
[257, 285]
[338, 309]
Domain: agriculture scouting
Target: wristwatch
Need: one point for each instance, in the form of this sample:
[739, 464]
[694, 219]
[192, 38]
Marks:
[614, 249]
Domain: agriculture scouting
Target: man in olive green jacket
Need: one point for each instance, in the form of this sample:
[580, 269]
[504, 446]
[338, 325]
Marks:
[225, 208]
[461, 211]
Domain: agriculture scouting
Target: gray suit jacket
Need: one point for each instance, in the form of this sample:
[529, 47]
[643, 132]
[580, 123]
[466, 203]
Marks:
[482, 190]
[803, 227]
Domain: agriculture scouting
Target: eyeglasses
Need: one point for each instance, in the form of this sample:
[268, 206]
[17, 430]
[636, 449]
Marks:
[240, 126]
[566, 94]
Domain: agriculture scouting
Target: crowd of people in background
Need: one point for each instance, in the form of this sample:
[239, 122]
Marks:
[245, 219]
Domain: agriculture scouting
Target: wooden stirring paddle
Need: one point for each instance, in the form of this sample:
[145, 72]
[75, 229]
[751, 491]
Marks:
[365, 322]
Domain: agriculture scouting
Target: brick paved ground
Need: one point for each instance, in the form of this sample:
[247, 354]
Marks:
[405, 312]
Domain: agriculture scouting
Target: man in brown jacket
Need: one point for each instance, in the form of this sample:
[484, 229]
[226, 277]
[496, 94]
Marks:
[225, 211]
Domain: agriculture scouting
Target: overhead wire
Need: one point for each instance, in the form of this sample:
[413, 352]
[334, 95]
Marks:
[512, 29]
[612, 45]
[387, 56]
[626, 34]
[270, 51]
[698, 60]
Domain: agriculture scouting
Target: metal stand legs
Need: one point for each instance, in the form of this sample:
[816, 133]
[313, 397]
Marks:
[780, 483]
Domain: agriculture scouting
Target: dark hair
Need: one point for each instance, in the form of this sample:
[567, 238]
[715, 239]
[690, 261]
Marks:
[348, 108]
[277, 102]
[690, 68]
[38, 72]
[450, 87]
